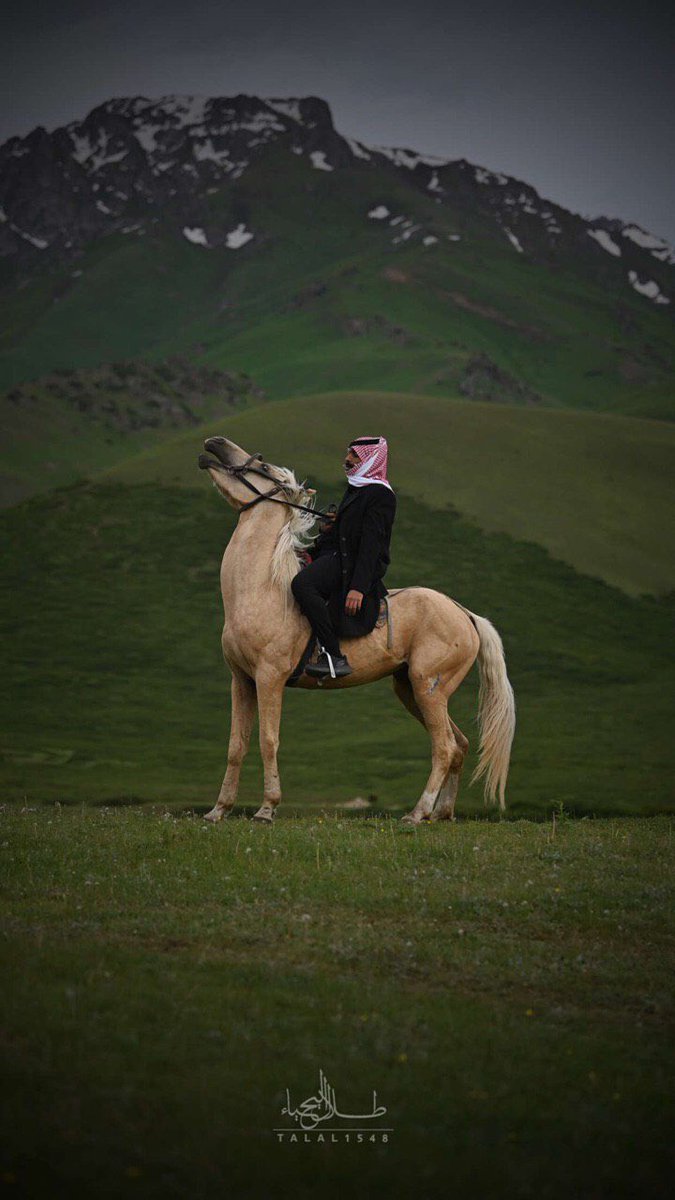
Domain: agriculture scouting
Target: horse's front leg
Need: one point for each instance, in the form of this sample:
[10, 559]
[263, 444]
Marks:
[243, 713]
[270, 687]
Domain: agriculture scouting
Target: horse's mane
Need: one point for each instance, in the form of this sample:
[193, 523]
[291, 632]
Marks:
[294, 534]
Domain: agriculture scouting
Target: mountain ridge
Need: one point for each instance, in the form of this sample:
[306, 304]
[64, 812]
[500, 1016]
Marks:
[132, 157]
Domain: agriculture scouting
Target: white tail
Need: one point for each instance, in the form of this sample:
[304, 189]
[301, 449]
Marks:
[496, 713]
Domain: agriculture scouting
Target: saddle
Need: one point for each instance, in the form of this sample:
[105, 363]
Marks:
[311, 651]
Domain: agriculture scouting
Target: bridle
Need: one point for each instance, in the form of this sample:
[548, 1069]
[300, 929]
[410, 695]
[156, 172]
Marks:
[245, 468]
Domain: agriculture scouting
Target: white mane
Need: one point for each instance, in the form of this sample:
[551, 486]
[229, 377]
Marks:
[294, 534]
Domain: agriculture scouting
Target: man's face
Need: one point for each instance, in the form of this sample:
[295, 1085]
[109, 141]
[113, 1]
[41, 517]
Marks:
[351, 458]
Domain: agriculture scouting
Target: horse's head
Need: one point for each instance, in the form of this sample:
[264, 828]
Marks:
[238, 476]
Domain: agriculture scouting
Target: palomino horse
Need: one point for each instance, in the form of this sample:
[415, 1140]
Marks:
[434, 643]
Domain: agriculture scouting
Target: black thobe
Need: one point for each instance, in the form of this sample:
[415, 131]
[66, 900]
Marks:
[360, 536]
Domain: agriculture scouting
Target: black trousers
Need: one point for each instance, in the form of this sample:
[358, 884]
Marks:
[311, 587]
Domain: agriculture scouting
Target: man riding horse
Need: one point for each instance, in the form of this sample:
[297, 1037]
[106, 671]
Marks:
[340, 590]
[427, 652]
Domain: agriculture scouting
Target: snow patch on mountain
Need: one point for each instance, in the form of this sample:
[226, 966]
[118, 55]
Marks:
[38, 243]
[513, 240]
[238, 237]
[379, 213]
[407, 231]
[649, 288]
[94, 154]
[603, 239]
[146, 137]
[646, 240]
[318, 158]
[429, 240]
[481, 175]
[287, 108]
[408, 158]
[103, 159]
[82, 147]
[206, 152]
[188, 110]
[658, 247]
[318, 161]
[195, 235]
[357, 149]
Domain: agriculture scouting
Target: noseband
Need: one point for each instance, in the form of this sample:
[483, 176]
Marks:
[245, 468]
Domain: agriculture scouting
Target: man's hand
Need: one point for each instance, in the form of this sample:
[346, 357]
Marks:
[327, 521]
[353, 602]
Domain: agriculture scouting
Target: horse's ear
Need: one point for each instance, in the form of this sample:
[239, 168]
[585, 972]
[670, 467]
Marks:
[311, 491]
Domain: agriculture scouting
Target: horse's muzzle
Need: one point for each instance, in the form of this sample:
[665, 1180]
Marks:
[207, 463]
[214, 447]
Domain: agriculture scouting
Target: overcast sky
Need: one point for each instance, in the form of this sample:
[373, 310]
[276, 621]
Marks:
[575, 98]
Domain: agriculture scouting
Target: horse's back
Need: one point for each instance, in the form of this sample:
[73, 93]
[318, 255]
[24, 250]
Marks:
[428, 612]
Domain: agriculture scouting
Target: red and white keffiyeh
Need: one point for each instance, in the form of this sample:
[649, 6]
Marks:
[372, 465]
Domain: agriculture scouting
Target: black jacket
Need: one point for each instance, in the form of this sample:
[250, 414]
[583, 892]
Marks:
[361, 534]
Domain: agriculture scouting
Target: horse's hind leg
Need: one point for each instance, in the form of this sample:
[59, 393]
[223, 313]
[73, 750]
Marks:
[429, 707]
[243, 713]
[444, 808]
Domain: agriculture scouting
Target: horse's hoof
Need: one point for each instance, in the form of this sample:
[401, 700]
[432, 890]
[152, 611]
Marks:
[215, 815]
[409, 822]
[264, 816]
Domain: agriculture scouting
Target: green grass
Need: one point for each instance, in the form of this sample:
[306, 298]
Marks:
[115, 689]
[505, 988]
[592, 489]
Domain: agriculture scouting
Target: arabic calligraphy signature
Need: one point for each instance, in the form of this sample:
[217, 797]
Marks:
[316, 1109]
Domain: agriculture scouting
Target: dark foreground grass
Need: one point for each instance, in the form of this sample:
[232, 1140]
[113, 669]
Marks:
[503, 987]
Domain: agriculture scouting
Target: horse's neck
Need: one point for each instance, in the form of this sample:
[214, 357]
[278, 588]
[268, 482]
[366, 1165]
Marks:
[247, 561]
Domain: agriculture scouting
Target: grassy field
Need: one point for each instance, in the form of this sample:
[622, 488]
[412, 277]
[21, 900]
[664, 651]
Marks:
[115, 689]
[592, 489]
[505, 988]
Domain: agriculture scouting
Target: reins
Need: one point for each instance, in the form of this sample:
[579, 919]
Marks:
[246, 468]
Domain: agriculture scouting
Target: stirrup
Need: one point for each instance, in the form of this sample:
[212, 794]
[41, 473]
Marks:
[330, 662]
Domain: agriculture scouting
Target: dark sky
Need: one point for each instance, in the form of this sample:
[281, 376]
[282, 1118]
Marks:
[576, 98]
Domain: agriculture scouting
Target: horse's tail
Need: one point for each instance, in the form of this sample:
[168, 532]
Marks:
[496, 713]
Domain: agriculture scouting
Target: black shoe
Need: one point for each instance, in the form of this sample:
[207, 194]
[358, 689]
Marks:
[329, 666]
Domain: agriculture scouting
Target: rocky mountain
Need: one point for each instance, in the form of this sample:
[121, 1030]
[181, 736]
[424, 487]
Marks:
[133, 162]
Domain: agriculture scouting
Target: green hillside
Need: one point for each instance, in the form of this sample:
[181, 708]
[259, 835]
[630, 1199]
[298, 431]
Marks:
[71, 424]
[323, 299]
[115, 690]
[591, 489]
